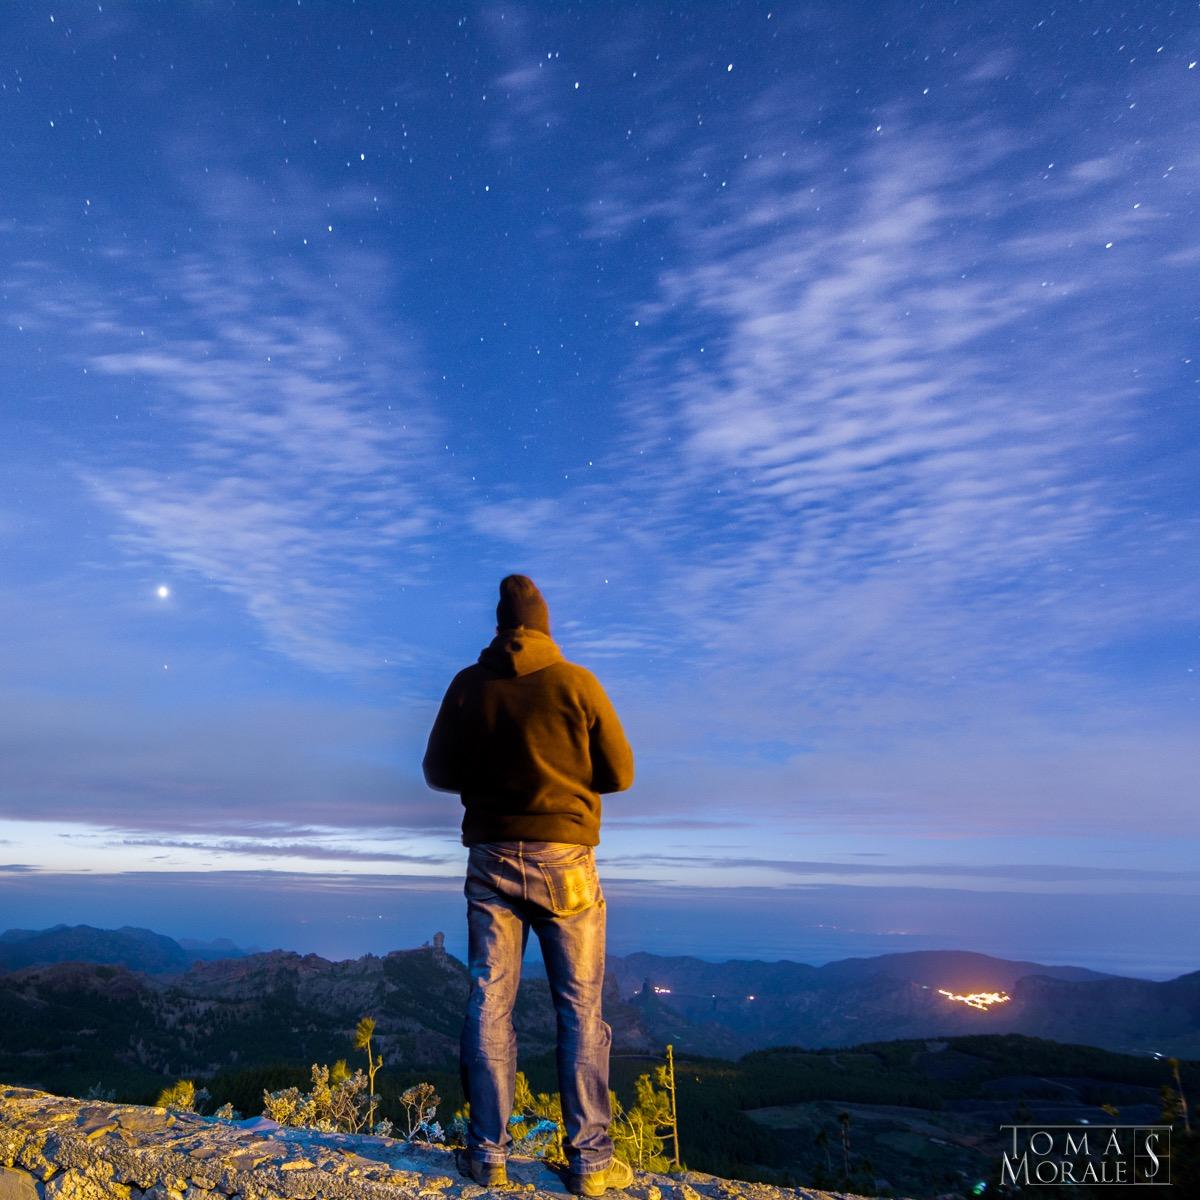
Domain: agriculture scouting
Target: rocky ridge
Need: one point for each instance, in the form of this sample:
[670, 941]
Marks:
[53, 1146]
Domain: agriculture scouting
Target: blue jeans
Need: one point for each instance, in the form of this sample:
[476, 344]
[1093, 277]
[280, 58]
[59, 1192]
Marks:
[553, 887]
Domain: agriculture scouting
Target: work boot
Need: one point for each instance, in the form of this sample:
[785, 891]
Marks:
[618, 1174]
[488, 1175]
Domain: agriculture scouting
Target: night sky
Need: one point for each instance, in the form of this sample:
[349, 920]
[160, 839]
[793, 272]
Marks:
[832, 368]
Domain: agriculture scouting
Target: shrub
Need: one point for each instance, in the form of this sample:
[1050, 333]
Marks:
[638, 1132]
[337, 1102]
[420, 1112]
[536, 1123]
[182, 1097]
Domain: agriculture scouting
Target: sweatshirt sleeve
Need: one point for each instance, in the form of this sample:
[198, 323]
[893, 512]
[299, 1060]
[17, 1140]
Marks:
[443, 758]
[612, 757]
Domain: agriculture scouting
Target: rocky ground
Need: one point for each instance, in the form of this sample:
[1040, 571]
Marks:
[52, 1146]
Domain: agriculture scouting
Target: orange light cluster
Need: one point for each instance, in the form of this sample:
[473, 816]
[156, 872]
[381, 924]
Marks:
[982, 1000]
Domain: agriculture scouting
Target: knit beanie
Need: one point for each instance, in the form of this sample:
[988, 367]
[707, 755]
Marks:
[521, 604]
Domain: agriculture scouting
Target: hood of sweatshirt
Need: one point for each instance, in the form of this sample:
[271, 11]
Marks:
[520, 651]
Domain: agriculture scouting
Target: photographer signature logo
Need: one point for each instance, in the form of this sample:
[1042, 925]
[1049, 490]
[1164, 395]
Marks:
[1053, 1155]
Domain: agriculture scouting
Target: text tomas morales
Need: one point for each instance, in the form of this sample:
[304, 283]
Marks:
[1098, 1154]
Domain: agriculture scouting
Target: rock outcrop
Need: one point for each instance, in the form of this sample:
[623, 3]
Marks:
[54, 1147]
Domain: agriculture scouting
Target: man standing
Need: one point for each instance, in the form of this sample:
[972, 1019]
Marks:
[530, 741]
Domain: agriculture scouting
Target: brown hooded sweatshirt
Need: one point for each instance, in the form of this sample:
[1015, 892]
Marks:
[529, 741]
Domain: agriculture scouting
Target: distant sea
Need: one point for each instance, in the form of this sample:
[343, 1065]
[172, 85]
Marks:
[344, 916]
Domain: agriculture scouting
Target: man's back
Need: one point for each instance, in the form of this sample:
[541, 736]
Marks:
[530, 741]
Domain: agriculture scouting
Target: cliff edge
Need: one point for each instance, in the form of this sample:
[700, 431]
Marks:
[53, 1146]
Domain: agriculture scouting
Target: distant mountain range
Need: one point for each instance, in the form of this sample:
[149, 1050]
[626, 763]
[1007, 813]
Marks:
[735, 1007]
[138, 949]
[76, 999]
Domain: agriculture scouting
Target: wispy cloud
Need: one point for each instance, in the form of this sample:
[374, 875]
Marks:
[1070, 875]
[297, 850]
[531, 82]
[300, 442]
[872, 422]
[847, 408]
[994, 64]
[882, 491]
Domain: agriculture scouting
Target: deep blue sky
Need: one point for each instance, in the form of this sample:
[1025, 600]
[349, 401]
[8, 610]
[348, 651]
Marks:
[832, 368]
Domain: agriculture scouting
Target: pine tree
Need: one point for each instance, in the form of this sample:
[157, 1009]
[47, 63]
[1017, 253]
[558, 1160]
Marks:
[363, 1033]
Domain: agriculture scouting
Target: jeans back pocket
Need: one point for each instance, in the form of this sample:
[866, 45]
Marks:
[573, 885]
